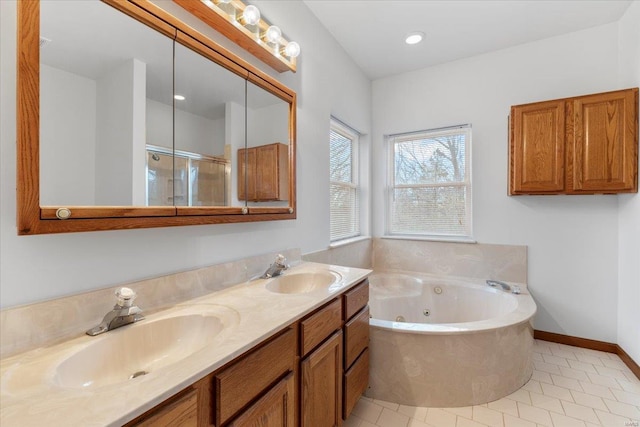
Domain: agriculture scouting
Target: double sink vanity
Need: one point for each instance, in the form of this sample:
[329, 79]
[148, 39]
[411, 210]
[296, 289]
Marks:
[284, 351]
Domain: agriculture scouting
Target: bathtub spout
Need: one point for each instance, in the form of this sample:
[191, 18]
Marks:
[504, 286]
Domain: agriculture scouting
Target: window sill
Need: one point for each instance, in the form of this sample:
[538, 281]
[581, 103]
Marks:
[433, 238]
[344, 242]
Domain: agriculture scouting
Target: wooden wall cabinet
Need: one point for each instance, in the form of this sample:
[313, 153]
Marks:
[267, 173]
[580, 145]
[310, 374]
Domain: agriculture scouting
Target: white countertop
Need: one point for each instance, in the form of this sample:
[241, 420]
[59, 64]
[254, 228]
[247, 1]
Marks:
[30, 394]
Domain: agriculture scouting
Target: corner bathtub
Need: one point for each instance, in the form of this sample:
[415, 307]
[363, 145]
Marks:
[444, 342]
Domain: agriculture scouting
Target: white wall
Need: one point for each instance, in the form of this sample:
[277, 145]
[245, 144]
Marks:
[572, 240]
[629, 204]
[194, 133]
[120, 136]
[34, 268]
[67, 138]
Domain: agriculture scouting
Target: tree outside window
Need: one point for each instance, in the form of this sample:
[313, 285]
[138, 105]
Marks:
[430, 191]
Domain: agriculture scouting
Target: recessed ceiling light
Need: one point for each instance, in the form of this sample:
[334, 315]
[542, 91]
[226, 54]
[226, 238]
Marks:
[179, 97]
[414, 37]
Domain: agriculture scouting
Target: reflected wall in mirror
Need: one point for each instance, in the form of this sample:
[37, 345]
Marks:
[98, 70]
[265, 162]
[101, 135]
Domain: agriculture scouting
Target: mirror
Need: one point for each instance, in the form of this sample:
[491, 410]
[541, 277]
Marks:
[209, 128]
[266, 158]
[95, 83]
[104, 139]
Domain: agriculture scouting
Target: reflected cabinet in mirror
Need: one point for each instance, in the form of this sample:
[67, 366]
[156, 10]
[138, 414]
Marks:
[128, 118]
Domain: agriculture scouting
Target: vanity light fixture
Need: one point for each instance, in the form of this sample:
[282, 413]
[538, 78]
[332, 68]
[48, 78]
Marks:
[414, 37]
[244, 25]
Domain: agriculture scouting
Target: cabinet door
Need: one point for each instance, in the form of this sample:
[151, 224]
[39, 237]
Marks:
[536, 148]
[356, 380]
[321, 400]
[275, 409]
[603, 142]
[267, 172]
[247, 174]
[272, 166]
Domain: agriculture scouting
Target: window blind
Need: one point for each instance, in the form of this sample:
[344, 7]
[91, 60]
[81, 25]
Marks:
[344, 208]
[430, 190]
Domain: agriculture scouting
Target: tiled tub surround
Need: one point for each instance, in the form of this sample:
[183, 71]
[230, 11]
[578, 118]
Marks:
[35, 325]
[30, 395]
[475, 348]
[477, 260]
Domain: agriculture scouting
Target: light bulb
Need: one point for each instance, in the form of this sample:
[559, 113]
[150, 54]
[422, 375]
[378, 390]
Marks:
[273, 34]
[292, 50]
[179, 97]
[251, 15]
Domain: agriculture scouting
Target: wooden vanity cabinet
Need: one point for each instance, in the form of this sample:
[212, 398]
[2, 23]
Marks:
[188, 408]
[321, 367]
[310, 374]
[356, 345]
[580, 145]
[267, 173]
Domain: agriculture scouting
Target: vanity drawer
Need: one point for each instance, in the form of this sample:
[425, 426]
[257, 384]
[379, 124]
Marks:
[355, 299]
[317, 327]
[356, 336]
[246, 379]
[356, 380]
[179, 412]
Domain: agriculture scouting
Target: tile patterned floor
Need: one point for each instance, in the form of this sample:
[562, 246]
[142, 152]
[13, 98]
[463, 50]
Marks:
[570, 386]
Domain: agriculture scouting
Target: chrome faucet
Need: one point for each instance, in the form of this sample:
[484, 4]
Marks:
[276, 269]
[123, 313]
[513, 289]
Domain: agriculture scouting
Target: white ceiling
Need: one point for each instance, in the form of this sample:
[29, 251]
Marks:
[373, 31]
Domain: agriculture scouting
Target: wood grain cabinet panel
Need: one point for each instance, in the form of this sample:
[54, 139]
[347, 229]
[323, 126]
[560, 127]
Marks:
[581, 145]
[243, 381]
[275, 409]
[267, 173]
[321, 324]
[603, 143]
[356, 380]
[321, 387]
[537, 148]
[355, 299]
[356, 336]
[178, 412]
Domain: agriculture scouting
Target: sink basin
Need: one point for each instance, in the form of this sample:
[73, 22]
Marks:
[136, 350]
[303, 282]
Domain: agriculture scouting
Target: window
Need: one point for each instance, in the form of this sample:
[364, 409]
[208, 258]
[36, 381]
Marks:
[430, 191]
[343, 175]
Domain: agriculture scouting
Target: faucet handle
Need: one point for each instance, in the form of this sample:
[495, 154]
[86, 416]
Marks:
[125, 297]
[281, 260]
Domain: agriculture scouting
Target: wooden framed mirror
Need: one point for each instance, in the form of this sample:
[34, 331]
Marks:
[142, 131]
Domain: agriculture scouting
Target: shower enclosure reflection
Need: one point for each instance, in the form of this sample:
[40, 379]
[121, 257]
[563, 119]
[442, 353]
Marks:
[182, 178]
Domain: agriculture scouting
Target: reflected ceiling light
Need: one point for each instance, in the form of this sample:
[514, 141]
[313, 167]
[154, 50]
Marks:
[250, 15]
[179, 97]
[414, 37]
